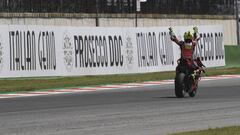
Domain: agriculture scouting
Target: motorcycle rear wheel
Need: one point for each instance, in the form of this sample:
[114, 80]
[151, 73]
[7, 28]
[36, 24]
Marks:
[180, 85]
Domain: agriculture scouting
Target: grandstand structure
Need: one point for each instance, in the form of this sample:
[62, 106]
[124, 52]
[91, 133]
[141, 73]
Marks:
[122, 13]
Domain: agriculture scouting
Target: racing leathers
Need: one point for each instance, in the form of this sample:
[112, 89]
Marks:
[187, 47]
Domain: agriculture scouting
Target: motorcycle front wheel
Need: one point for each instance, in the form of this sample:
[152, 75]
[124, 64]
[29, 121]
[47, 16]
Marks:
[180, 85]
[193, 92]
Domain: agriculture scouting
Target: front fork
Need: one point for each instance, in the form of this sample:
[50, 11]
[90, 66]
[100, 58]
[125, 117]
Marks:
[194, 79]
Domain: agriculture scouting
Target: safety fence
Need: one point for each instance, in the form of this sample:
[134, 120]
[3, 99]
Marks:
[212, 7]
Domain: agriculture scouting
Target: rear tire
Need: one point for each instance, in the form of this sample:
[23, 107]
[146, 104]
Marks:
[180, 85]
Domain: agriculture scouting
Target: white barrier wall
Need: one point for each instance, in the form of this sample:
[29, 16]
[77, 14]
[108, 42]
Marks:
[229, 24]
[29, 51]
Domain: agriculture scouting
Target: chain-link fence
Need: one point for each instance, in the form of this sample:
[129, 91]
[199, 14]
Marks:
[221, 7]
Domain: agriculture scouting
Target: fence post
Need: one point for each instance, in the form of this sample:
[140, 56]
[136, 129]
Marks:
[237, 20]
[97, 12]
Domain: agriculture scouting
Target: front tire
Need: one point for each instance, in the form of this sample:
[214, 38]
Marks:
[193, 92]
[180, 85]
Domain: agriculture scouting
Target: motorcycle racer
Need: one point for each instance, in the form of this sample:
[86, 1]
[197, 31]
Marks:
[187, 47]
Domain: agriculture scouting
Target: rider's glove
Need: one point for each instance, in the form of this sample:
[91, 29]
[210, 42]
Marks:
[171, 33]
[195, 32]
[195, 29]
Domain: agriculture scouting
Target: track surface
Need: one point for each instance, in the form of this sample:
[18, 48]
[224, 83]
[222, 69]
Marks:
[151, 110]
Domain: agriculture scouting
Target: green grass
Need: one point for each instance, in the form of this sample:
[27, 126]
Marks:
[232, 55]
[31, 84]
[218, 131]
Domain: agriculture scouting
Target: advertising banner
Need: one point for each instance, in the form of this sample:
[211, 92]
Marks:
[32, 51]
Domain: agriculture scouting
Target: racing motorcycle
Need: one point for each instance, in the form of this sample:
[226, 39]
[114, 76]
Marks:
[186, 80]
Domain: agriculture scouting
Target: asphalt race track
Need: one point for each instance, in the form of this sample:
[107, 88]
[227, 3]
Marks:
[151, 110]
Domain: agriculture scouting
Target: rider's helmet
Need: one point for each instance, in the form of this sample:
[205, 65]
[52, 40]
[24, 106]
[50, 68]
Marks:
[188, 36]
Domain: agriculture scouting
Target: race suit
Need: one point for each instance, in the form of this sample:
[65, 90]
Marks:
[187, 50]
